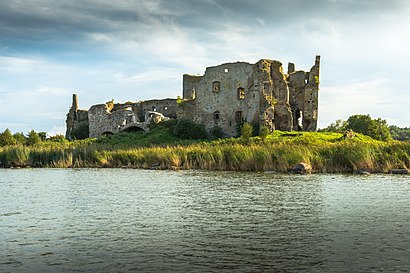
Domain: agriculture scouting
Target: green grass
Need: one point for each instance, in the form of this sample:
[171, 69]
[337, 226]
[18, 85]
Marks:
[326, 152]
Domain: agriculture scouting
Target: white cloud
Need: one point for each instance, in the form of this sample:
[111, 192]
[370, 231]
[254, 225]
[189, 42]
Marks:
[374, 97]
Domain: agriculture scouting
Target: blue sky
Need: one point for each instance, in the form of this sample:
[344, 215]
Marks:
[138, 50]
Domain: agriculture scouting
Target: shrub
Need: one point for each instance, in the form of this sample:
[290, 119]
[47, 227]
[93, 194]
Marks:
[20, 138]
[217, 132]
[81, 132]
[246, 131]
[33, 138]
[190, 129]
[6, 138]
[263, 133]
[375, 128]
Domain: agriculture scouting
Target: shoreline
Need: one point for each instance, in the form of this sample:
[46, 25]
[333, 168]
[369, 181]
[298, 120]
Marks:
[324, 156]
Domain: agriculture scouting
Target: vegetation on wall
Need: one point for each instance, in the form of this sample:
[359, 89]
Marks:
[82, 131]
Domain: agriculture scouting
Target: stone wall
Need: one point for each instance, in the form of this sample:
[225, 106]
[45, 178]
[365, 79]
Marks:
[225, 96]
[262, 94]
[76, 119]
[110, 118]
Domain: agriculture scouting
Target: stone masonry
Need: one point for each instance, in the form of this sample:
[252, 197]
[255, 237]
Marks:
[225, 96]
[262, 94]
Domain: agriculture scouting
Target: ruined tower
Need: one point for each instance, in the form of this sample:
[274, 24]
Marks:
[262, 94]
[76, 122]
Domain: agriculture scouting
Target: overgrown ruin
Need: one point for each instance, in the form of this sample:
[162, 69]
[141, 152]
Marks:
[224, 97]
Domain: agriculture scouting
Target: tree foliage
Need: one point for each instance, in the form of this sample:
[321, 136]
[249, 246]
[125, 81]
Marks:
[189, 129]
[400, 133]
[246, 131]
[375, 128]
[6, 138]
[33, 138]
[338, 126]
[263, 133]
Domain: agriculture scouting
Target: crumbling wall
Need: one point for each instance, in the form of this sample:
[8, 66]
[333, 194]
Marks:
[225, 96]
[168, 107]
[261, 94]
[304, 97]
[189, 86]
[110, 118]
[76, 119]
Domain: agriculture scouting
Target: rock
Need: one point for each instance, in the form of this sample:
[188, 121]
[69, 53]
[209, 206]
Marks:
[155, 117]
[399, 171]
[301, 168]
[154, 166]
[349, 134]
[361, 172]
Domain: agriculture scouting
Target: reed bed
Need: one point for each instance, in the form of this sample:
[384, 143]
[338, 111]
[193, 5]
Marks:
[326, 153]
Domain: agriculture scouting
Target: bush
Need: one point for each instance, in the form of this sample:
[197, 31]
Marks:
[81, 132]
[20, 138]
[375, 128]
[6, 138]
[263, 133]
[246, 131]
[33, 138]
[189, 129]
[217, 132]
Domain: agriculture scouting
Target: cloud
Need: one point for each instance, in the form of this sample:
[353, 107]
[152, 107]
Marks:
[131, 50]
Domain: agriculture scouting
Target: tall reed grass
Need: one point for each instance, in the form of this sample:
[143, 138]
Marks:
[327, 153]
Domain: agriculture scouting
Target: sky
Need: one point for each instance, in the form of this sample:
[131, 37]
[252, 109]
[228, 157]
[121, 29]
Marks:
[130, 50]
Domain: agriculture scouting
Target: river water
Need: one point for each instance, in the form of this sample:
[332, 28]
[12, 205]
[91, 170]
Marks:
[124, 220]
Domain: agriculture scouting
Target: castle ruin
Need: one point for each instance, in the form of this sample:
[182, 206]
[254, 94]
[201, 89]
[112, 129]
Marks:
[225, 96]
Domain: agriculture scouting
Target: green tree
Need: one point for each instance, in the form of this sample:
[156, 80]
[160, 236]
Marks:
[33, 138]
[399, 133]
[375, 128]
[42, 135]
[338, 126]
[57, 138]
[246, 131]
[6, 138]
[20, 138]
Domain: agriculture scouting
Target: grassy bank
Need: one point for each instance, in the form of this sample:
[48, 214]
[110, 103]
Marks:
[326, 152]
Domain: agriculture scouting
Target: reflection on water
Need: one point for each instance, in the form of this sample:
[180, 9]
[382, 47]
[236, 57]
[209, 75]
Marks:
[113, 220]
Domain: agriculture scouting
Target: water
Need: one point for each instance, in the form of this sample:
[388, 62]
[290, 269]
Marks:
[115, 220]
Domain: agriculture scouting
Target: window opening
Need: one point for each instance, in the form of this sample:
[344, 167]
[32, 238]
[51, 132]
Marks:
[238, 117]
[217, 116]
[241, 93]
[216, 87]
[299, 120]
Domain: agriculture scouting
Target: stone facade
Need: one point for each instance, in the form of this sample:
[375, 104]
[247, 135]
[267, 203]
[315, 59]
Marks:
[225, 96]
[111, 118]
[261, 94]
[76, 118]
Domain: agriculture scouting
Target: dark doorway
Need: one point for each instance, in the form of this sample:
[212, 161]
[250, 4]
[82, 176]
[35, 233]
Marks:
[133, 129]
